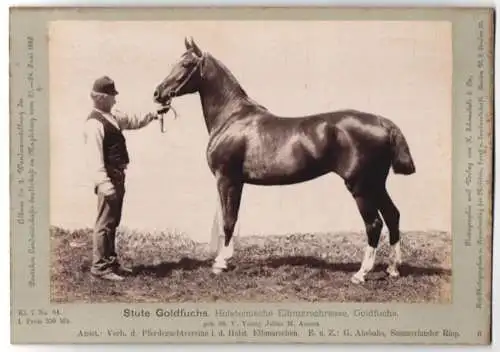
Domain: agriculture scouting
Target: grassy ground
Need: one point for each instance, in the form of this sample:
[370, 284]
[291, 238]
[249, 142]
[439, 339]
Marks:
[169, 267]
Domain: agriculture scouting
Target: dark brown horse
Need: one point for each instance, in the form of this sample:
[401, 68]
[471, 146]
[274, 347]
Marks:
[249, 144]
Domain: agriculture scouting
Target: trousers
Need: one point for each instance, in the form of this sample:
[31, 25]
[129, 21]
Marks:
[109, 214]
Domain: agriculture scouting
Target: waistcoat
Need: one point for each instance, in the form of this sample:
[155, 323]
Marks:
[114, 145]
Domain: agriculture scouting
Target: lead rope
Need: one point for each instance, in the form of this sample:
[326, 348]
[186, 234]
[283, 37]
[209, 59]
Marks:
[162, 112]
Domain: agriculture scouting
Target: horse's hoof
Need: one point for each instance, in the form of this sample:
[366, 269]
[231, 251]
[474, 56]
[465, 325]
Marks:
[392, 272]
[357, 280]
[217, 271]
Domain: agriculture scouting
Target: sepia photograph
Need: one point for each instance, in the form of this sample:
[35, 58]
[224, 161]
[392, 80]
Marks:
[250, 161]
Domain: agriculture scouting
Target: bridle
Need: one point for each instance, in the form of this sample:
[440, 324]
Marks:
[173, 93]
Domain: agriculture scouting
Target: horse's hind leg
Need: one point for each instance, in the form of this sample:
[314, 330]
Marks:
[391, 215]
[367, 206]
[230, 198]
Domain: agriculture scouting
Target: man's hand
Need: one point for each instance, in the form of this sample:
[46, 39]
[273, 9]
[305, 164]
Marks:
[156, 115]
[107, 190]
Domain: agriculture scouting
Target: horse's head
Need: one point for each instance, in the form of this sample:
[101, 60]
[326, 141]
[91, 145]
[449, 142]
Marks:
[184, 77]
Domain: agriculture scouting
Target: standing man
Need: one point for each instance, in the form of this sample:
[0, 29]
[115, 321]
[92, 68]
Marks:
[107, 158]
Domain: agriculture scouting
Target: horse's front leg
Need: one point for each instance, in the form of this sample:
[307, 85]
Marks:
[229, 191]
[218, 238]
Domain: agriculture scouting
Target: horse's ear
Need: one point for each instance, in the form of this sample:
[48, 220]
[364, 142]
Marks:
[187, 44]
[195, 48]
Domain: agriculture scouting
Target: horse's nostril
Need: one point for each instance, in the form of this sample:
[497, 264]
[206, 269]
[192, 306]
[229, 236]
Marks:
[157, 93]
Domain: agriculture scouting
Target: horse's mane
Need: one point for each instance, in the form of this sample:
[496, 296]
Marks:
[237, 88]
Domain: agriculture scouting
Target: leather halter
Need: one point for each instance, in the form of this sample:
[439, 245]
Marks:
[174, 92]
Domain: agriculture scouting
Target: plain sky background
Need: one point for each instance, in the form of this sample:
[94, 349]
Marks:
[401, 70]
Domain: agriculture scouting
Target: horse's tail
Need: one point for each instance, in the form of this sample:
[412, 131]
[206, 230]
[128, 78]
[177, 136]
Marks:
[402, 161]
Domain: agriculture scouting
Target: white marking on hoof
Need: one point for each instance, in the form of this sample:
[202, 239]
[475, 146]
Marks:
[219, 266]
[216, 271]
[357, 279]
[397, 253]
[392, 269]
[366, 265]
[393, 272]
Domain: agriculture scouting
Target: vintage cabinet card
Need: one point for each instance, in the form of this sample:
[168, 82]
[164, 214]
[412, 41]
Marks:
[207, 175]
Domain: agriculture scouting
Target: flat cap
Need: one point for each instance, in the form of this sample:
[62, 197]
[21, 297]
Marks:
[105, 85]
